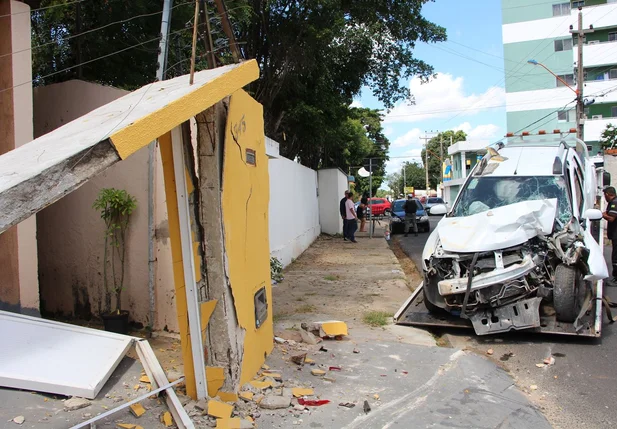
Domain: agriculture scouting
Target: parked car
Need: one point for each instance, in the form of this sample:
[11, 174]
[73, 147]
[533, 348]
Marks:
[380, 206]
[518, 238]
[432, 201]
[398, 217]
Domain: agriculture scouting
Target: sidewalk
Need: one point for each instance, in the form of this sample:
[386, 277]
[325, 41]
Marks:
[405, 378]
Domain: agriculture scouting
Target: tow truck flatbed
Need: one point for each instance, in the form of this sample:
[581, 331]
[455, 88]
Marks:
[414, 313]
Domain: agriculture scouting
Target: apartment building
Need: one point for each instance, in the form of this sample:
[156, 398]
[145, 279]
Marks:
[540, 30]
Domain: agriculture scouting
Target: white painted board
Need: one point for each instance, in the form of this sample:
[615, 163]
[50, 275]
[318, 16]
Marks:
[53, 357]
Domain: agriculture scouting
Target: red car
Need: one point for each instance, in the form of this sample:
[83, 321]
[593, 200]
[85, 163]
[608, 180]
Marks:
[380, 206]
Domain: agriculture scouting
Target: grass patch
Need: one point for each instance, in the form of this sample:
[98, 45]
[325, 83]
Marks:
[377, 318]
[331, 277]
[306, 308]
[310, 294]
[300, 299]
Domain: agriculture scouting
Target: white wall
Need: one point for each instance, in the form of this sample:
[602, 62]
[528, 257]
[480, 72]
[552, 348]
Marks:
[332, 184]
[294, 211]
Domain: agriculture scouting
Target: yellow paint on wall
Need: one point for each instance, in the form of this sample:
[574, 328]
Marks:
[205, 312]
[139, 134]
[245, 199]
[176, 255]
[215, 376]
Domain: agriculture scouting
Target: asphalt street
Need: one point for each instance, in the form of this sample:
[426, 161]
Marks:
[578, 390]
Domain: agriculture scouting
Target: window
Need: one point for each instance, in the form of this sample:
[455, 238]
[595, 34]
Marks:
[569, 79]
[563, 45]
[566, 116]
[613, 74]
[614, 111]
[577, 4]
[561, 9]
[612, 36]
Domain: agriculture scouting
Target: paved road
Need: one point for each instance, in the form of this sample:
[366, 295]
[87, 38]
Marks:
[578, 391]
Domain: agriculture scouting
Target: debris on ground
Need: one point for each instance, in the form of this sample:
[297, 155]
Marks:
[309, 338]
[327, 329]
[356, 351]
[19, 420]
[166, 419]
[76, 403]
[299, 392]
[490, 352]
[313, 402]
[275, 402]
[367, 407]
[318, 372]
[219, 409]
[540, 365]
[298, 358]
[549, 360]
[376, 396]
[137, 410]
[347, 404]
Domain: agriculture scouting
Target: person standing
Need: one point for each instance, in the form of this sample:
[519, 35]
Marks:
[352, 218]
[362, 214]
[611, 229]
[343, 210]
[411, 207]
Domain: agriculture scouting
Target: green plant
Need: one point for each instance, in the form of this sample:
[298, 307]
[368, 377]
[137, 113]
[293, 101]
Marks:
[609, 137]
[331, 277]
[115, 207]
[276, 270]
[377, 318]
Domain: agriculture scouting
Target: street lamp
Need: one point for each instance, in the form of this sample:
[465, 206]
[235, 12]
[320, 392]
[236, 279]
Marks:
[536, 63]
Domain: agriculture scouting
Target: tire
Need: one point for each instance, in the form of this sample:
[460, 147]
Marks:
[432, 308]
[566, 292]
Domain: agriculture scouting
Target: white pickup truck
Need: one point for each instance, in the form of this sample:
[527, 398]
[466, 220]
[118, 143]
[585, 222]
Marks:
[516, 250]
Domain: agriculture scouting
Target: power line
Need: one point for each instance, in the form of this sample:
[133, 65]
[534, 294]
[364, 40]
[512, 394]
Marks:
[93, 60]
[544, 117]
[92, 30]
[42, 8]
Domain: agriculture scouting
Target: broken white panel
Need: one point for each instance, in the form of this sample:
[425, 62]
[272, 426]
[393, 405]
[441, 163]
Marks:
[498, 228]
[53, 357]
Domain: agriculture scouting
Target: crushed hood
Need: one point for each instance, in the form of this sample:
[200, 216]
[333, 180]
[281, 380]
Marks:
[498, 228]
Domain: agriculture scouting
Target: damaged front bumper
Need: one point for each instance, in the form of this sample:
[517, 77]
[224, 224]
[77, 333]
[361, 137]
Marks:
[524, 314]
[499, 275]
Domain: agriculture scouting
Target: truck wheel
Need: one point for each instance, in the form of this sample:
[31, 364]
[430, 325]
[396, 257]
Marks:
[568, 284]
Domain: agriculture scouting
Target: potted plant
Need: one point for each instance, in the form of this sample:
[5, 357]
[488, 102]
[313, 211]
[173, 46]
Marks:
[115, 207]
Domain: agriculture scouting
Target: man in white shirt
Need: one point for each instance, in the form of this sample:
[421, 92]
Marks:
[351, 217]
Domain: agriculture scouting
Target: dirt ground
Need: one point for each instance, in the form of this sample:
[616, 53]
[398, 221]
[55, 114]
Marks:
[342, 279]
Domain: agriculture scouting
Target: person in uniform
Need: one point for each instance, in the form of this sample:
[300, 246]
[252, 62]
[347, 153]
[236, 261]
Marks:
[611, 229]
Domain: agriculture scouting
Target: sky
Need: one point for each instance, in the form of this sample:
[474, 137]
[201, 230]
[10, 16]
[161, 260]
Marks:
[470, 76]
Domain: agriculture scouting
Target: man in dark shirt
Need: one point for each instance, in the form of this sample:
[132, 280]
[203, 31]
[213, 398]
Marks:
[343, 212]
[611, 229]
[411, 207]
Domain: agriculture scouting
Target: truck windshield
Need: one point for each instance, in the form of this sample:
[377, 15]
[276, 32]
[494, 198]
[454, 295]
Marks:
[485, 193]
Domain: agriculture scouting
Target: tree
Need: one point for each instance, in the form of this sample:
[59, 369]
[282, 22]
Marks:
[609, 137]
[414, 175]
[434, 154]
[314, 57]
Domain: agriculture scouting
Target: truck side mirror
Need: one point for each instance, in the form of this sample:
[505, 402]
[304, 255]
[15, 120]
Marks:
[592, 214]
[606, 178]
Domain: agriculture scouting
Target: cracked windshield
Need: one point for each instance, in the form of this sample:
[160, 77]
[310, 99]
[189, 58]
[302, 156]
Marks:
[485, 193]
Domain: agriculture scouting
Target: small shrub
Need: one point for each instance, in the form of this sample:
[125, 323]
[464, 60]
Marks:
[276, 270]
[377, 318]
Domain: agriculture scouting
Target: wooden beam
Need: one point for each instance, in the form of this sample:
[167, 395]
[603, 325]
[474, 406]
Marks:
[32, 195]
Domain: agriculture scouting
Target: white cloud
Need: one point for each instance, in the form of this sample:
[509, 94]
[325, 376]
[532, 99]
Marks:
[388, 131]
[481, 132]
[407, 139]
[442, 97]
[356, 103]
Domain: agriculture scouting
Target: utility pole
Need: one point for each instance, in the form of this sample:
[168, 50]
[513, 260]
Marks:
[404, 179]
[160, 75]
[370, 201]
[580, 84]
[426, 138]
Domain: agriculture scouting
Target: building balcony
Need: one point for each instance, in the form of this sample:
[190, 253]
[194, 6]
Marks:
[598, 54]
[595, 127]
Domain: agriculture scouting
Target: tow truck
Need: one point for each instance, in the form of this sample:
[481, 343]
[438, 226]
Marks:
[521, 247]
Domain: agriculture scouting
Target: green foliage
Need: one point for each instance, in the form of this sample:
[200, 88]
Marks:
[415, 176]
[276, 270]
[377, 318]
[314, 57]
[609, 137]
[115, 207]
[434, 154]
